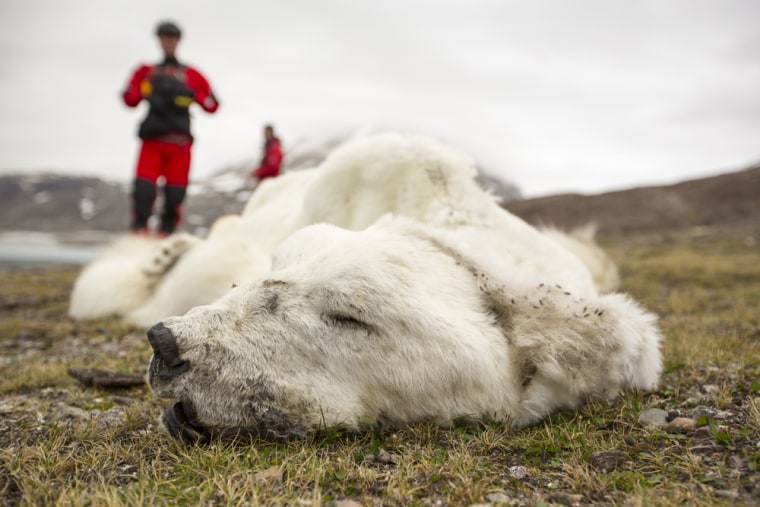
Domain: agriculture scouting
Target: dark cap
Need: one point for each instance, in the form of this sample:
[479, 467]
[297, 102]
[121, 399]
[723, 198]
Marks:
[168, 28]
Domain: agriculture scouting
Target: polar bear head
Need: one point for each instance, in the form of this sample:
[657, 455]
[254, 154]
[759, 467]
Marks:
[392, 325]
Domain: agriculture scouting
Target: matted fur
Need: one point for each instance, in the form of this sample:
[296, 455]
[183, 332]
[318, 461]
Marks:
[398, 323]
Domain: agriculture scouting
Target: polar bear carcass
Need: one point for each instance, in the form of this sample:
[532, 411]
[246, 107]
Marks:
[145, 280]
[398, 323]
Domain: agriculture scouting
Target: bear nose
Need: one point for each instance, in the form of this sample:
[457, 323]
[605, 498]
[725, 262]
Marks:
[167, 363]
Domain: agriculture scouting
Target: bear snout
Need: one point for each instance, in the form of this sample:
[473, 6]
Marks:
[166, 363]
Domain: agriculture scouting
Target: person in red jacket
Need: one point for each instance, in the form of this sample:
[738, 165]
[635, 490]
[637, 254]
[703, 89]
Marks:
[271, 158]
[169, 87]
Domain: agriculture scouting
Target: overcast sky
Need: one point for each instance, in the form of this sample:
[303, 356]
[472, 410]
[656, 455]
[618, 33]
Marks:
[553, 95]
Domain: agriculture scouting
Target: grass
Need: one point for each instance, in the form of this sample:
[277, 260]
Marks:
[707, 293]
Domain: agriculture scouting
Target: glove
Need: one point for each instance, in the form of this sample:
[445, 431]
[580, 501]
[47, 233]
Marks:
[146, 88]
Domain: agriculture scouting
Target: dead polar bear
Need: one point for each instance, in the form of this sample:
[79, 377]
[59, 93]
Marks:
[398, 323]
[413, 176]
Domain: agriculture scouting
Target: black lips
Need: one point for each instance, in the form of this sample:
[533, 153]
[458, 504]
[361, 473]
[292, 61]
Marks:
[177, 419]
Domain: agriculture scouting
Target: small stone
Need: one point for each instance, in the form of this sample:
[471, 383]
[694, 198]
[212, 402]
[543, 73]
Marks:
[683, 425]
[69, 413]
[385, 457]
[518, 472]
[369, 458]
[112, 417]
[629, 440]
[709, 388]
[702, 433]
[700, 412]
[703, 450]
[653, 417]
[497, 497]
[607, 461]
[735, 461]
[727, 493]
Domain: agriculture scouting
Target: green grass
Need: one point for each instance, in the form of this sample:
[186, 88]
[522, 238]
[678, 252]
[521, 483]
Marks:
[707, 293]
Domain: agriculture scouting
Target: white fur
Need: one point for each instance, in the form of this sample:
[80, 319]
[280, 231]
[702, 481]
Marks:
[581, 243]
[125, 275]
[399, 323]
[414, 177]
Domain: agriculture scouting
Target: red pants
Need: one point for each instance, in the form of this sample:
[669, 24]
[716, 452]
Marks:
[167, 159]
[172, 161]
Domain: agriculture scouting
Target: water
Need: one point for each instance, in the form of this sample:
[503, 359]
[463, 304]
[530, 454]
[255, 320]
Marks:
[24, 249]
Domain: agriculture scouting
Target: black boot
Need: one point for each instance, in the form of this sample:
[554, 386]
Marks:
[143, 196]
[173, 197]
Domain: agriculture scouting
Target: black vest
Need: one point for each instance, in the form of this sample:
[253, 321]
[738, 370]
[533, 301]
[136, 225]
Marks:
[169, 101]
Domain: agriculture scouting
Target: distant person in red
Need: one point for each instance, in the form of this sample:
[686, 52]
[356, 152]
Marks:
[169, 88]
[271, 158]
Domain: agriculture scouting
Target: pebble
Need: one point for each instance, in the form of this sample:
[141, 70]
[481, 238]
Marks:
[497, 497]
[607, 461]
[112, 417]
[683, 425]
[381, 456]
[727, 493]
[709, 388]
[653, 417]
[385, 457]
[68, 413]
[518, 472]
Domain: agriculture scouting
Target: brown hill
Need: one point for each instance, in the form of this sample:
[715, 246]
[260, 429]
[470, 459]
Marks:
[728, 202]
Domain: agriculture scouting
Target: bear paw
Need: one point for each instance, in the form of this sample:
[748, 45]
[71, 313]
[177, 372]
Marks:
[166, 253]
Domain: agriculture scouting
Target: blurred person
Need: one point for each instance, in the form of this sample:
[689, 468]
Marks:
[169, 87]
[271, 158]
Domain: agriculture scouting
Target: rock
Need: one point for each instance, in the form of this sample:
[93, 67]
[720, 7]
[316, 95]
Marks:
[709, 389]
[683, 425]
[518, 472]
[384, 457]
[112, 417]
[702, 433]
[727, 493]
[69, 413]
[653, 417]
[497, 497]
[703, 450]
[607, 461]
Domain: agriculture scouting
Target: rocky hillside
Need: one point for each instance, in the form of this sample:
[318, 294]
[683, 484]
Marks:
[729, 202]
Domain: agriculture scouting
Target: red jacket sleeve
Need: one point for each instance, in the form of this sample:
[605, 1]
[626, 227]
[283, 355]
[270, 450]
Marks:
[202, 89]
[132, 94]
